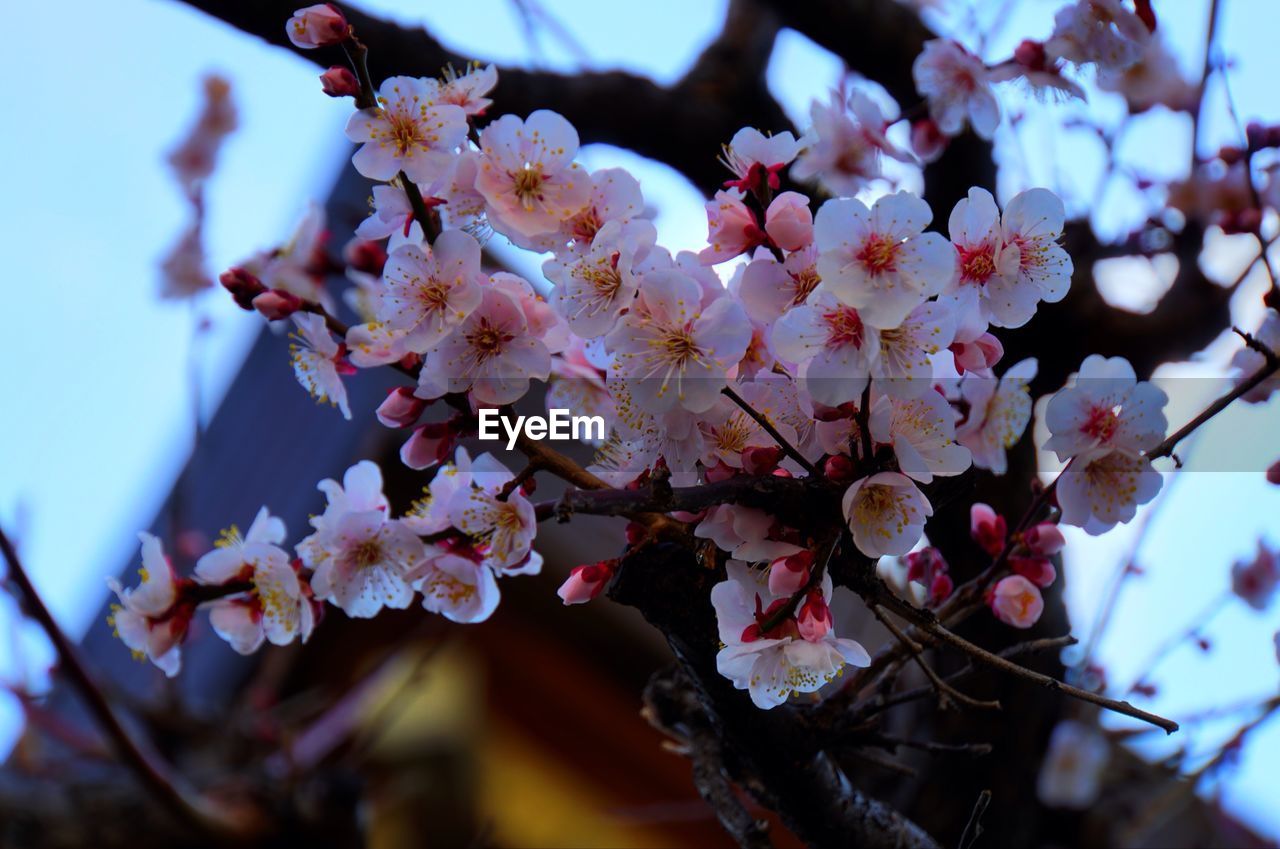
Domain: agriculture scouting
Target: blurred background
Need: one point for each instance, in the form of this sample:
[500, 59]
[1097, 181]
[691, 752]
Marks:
[126, 411]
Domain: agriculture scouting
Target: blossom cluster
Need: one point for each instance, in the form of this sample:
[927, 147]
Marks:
[841, 340]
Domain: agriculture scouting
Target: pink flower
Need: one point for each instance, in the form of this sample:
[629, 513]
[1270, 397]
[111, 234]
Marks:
[1098, 31]
[401, 408]
[407, 131]
[980, 355]
[1037, 570]
[922, 432]
[596, 286]
[339, 82]
[427, 293]
[1104, 487]
[467, 90]
[317, 26]
[1255, 582]
[755, 159]
[928, 568]
[957, 87]
[846, 143]
[457, 587]
[1016, 601]
[879, 260]
[1105, 407]
[788, 221]
[319, 362]
[744, 533]
[492, 353]
[835, 352]
[429, 443]
[1044, 539]
[586, 582]
[673, 350]
[732, 227]
[769, 288]
[527, 175]
[150, 619]
[886, 513]
[813, 619]
[788, 574]
[998, 414]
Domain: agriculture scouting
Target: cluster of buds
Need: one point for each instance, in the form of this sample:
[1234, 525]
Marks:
[1015, 599]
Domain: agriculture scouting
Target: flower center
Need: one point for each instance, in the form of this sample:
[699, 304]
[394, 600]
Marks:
[405, 133]
[1102, 423]
[879, 253]
[367, 553]
[805, 280]
[487, 341]
[977, 265]
[528, 185]
[844, 327]
[677, 347]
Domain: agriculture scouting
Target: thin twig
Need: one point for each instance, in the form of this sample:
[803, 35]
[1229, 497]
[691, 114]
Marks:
[973, 829]
[946, 693]
[764, 422]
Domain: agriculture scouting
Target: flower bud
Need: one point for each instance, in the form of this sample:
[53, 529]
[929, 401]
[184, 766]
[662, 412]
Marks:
[788, 574]
[317, 26]
[839, 468]
[789, 222]
[365, 255]
[429, 444]
[761, 460]
[242, 285]
[401, 408]
[982, 353]
[1273, 473]
[339, 82]
[1016, 601]
[276, 304]
[987, 528]
[586, 582]
[1037, 570]
[1044, 539]
[927, 140]
[814, 617]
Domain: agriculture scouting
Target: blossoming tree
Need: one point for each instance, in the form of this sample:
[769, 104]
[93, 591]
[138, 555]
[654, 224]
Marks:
[819, 403]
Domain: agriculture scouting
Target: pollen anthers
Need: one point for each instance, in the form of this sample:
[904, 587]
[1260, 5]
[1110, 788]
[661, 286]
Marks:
[879, 253]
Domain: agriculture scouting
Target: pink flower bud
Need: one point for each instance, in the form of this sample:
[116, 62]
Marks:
[927, 140]
[586, 582]
[429, 444]
[928, 568]
[789, 222]
[365, 255]
[317, 26]
[276, 304]
[401, 408]
[1016, 601]
[243, 286]
[1037, 570]
[761, 460]
[732, 228]
[987, 528]
[339, 82]
[814, 617]
[982, 353]
[788, 574]
[1044, 539]
[839, 468]
[1273, 473]
[1030, 55]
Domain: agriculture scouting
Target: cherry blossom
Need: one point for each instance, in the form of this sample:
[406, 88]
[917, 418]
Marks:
[407, 131]
[768, 288]
[361, 556]
[457, 587]
[904, 366]
[673, 350]
[744, 533]
[1102, 488]
[957, 87]
[1103, 32]
[427, 292]
[501, 528]
[834, 350]
[772, 665]
[615, 196]
[1255, 581]
[319, 362]
[595, 287]
[492, 353]
[149, 618]
[433, 513]
[886, 513]
[922, 432]
[998, 412]
[317, 26]
[467, 90]
[846, 144]
[988, 528]
[1104, 406]
[755, 159]
[879, 260]
[1016, 601]
[586, 582]
[1071, 775]
[527, 174]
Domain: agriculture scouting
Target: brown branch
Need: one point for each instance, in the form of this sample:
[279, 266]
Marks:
[155, 775]
[946, 693]
[1166, 447]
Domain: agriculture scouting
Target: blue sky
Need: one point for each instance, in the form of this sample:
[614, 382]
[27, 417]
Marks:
[97, 389]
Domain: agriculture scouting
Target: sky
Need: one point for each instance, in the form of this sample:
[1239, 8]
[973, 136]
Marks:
[98, 391]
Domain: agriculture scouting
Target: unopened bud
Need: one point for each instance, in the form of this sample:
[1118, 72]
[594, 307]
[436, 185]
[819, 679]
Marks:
[814, 617]
[339, 82]
[365, 255]
[275, 304]
[761, 460]
[317, 26]
[586, 582]
[242, 285]
[401, 408]
[839, 468]
[788, 574]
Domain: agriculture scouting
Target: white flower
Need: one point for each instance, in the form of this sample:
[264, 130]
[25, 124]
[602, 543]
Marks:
[407, 131]
[879, 260]
[749, 148]
[998, 413]
[319, 362]
[673, 350]
[903, 367]
[528, 176]
[467, 90]
[432, 514]
[922, 432]
[744, 533]
[362, 558]
[594, 287]
[148, 618]
[771, 665]
[886, 513]
[502, 530]
[1104, 487]
[768, 288]
[426, 293]
[834, 350]
[492, 353]
[846, 144]
[1098, 31]
[458, 588]
[1071, 775]
[957, 87]
[1105, 407]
